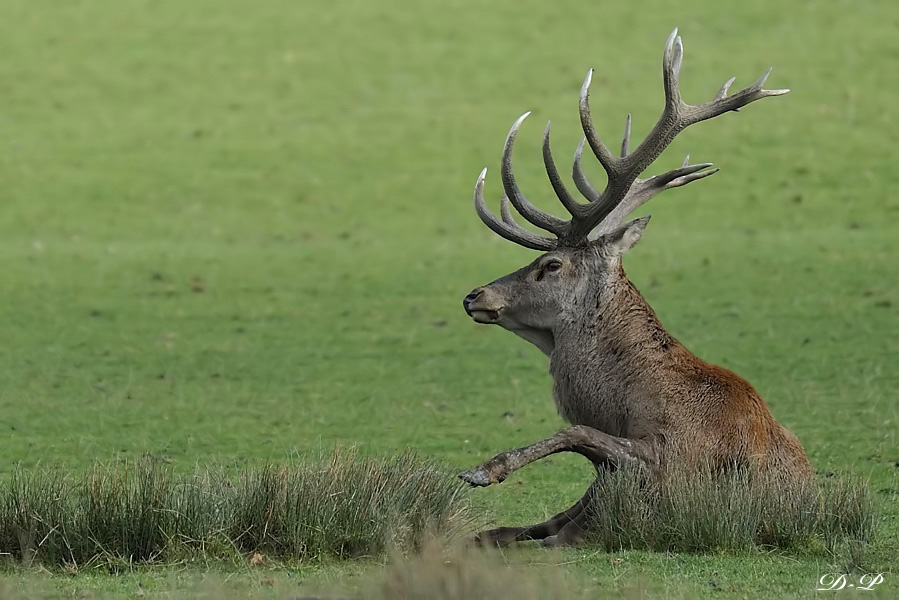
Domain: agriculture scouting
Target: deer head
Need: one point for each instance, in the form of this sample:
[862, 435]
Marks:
[582, 258]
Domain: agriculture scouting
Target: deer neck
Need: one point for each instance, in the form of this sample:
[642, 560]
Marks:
[616, 337]
[607, 360]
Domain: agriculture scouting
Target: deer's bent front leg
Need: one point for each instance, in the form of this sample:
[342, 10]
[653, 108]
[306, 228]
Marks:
[596, 446]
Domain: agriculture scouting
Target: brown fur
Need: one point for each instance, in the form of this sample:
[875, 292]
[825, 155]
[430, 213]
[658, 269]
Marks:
[637, 381]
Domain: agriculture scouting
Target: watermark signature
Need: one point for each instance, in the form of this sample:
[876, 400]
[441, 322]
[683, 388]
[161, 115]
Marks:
[832, 582]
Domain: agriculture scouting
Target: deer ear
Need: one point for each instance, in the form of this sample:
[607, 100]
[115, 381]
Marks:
[626, 237]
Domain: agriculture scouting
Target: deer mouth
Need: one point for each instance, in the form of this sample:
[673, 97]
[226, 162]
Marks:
[485, 316]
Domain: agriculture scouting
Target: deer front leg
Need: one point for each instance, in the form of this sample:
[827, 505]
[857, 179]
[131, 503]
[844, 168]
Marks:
[596, 446]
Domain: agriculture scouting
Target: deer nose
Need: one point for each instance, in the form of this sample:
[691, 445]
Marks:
[470, 298]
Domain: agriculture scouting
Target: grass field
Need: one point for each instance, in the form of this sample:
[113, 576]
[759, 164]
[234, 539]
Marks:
[237, 231]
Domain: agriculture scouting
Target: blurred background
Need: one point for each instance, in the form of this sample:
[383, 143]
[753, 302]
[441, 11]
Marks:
[236, 230]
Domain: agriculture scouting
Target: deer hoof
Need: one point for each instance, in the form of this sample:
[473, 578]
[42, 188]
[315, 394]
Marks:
[477, 477]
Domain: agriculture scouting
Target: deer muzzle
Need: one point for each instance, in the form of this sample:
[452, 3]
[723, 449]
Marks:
[478, 309]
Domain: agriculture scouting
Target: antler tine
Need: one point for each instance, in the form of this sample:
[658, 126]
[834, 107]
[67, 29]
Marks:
[643, 190]
[605, 158]
[671, 64]
[581, 182]
[682, 180]
[723, 103]
[555, 180]
[505, 212]
[761, 80]
[530, 212]
[626, 140]
[508, 230]
[723, 91]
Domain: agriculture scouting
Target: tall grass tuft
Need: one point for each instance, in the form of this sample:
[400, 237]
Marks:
[344, 507]
[142, 511]
[740, 509]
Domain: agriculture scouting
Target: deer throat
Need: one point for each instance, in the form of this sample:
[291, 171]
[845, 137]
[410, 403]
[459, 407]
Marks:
[542, 338]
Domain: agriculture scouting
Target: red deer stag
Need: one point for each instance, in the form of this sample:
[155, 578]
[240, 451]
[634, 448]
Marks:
[630, 391]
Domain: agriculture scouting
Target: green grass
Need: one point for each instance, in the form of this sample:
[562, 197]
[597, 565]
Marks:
[237, 230]
[142, 513]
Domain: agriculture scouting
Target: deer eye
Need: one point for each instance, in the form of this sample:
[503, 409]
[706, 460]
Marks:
[553, 266]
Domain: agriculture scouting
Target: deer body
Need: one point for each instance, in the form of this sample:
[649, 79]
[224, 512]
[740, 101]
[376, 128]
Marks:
[619, 371]
[629, 389]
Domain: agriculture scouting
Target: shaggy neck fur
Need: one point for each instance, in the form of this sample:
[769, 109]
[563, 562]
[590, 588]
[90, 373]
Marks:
[607, 351]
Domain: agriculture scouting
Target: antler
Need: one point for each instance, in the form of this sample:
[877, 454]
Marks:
[624, 190]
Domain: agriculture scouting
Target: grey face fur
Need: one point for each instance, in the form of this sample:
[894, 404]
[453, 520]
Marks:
[535, 300]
